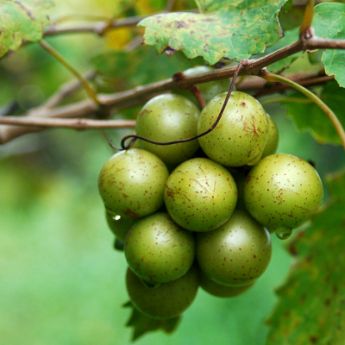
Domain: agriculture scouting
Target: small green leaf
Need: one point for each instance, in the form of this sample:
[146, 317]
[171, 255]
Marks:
[311, 308]
[329, 22]
[310, 117]
[142, 324]
[22, 21]
[231, 29]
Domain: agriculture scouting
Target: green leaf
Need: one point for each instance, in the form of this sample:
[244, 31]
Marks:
[329, 22]
[22, 21]
[142, 324]
[291, 16]
[289, 37]
[310, 117]
[139, 66]
[311, 308]
[231, 29]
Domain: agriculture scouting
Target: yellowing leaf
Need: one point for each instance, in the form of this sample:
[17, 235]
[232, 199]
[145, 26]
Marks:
[117, 39]
[145, 7]
[22, 21]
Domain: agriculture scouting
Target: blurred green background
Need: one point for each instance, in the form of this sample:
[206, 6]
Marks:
[61, 282]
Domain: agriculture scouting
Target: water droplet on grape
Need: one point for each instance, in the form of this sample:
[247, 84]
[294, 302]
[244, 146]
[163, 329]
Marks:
[283, 233]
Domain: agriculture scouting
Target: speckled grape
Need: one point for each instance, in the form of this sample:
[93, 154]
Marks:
[166, 300]
[119, 225]
[241, 135]
[272, 138]
[200, 195]
[282, 191]
[220, 290]
[235, 254]
[131, 183]
[168, 117]
[157, 250]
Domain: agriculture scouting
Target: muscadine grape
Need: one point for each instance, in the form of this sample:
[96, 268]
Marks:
[157, 250]
[166, 300]
[272, 138]
[220, 290]
[200, 195]
[131, 183]
[168, 117]
[282, 191]
[235, 254]
[119, 225]
[241, 134]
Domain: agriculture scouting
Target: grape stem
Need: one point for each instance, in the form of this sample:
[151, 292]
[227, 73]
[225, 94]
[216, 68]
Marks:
[185, 140]
[198, 96]
[271, 77]
[193, 89]
[305, 27]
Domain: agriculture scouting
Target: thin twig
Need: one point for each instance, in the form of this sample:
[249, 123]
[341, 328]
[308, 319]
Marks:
[271, 77]
[110, 143]
[79, 17]
[198, 96]
[86, 85]
[31, 121]
[323, 43]
[98, 28]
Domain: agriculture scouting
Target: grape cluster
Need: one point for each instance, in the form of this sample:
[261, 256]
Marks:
[201, 213]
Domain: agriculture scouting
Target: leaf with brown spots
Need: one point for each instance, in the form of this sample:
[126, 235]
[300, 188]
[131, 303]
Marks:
[142, 324]
[230, 29]
[311, 309]
[22, 21]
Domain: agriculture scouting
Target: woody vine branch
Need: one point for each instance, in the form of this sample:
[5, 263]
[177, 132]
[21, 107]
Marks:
[86, 108]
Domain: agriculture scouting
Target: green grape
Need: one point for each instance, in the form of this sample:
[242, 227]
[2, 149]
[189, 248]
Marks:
[131, 183]
[119, 225]
[219, 290]
[235, 254]
[157, 250]
[240, 136]
[272, 138]
[200, 195]
[282, 191]
[168, 117]
[166, 300]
